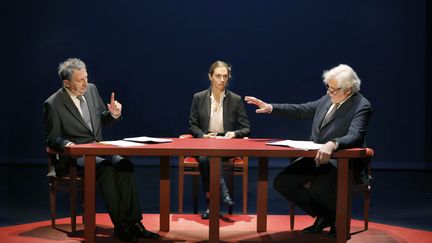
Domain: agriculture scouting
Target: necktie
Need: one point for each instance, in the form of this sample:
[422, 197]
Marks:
[329, 115]
[85, 112]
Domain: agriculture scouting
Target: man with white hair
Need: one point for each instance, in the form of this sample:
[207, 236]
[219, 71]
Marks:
[340, 120]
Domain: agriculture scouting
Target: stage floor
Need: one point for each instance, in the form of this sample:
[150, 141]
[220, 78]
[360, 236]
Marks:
[191, 228]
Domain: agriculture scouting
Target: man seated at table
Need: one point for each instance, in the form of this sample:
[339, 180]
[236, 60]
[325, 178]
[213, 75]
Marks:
[340, 120]
[75, 114]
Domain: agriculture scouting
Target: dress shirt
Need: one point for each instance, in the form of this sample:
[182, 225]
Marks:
[216, 115]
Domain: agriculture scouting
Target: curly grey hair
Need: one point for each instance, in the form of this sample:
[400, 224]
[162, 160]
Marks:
[67, 67]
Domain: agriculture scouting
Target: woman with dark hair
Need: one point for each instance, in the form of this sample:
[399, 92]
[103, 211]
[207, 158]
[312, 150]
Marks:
[217, 113]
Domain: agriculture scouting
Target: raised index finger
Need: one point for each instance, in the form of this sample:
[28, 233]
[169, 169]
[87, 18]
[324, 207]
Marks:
[112, 98]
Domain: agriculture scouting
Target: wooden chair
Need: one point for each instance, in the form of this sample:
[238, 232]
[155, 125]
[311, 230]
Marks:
[71, 183]
[356, 187]
[190, 166]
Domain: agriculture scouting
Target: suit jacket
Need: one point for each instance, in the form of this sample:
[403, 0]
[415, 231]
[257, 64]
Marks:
[65, 124]
[234, 114]
[348, 125]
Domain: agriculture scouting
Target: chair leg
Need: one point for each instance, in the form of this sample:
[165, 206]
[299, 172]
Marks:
[366, 204]
[195, 188]
[292, 214]
[52, 192]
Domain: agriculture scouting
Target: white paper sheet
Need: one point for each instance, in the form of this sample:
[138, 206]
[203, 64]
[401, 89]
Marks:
[145, 139]
[305, 145]
[222, 137]
[122, 143]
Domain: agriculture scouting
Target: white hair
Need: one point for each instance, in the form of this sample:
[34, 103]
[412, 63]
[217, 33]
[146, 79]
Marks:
[344, 76]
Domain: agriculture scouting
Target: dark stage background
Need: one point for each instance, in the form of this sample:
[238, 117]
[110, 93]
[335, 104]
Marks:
[156, 54]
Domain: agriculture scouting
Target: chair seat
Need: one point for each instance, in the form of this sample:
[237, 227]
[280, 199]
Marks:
[190, 160]
[237, 161]
[63, 183]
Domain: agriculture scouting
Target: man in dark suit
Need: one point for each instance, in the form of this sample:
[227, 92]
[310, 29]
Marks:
[75, 114]
[217, 112]
[340, 120]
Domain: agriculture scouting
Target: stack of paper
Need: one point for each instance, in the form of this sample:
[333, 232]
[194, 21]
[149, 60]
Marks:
[121, 143]
[305, 145]
[144, 139]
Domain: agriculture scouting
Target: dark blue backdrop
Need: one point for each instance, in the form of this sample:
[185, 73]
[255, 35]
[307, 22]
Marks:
[156, 54]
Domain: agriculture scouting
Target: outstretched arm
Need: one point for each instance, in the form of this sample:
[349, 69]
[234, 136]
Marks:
[263, 106]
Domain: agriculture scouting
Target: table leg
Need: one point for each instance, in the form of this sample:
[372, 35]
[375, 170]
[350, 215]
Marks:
[164, 196]
[89, 198]
[262, 190]
[215, 164]
[342, 200]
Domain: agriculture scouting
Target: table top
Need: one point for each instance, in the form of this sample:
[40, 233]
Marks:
[256, 147]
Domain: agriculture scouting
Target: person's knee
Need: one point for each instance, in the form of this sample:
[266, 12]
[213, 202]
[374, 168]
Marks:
[286, 186]
[277, 183]
[124, 165]
[203, 160]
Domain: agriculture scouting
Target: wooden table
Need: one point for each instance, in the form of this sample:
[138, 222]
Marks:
[215, 149]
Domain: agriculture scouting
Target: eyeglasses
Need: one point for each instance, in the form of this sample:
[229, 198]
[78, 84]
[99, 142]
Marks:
[219, 77]
[332, 91]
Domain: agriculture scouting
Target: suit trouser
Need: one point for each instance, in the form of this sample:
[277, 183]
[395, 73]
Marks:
[204, 166]
[317, 198]
[117, 186]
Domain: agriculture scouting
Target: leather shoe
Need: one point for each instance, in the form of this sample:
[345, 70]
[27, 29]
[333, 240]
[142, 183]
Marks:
[205, 214]
[332, 233]
[138, 230]
[124, 233]
[318, 226]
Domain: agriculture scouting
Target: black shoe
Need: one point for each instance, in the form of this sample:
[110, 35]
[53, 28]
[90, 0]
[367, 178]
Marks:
[226, 219]
[205, 214]
[139, 231]
[318, 226]
[226, 199]
[332, 233]
[124, 233]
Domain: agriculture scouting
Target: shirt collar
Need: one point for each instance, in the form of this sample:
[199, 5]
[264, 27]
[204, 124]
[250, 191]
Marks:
[343, 101]
[221, 98]
[73, 96]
